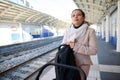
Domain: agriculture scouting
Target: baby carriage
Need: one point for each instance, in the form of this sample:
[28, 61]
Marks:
[65, 67]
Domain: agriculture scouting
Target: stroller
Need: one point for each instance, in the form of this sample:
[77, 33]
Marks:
[65, 67]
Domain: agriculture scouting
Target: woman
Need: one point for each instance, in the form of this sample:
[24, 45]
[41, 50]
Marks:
[82, 39]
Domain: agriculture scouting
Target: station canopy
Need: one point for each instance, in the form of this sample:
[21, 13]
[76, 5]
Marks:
[12, 12]
[95, 10]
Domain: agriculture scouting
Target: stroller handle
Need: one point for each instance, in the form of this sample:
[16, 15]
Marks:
[61, 65]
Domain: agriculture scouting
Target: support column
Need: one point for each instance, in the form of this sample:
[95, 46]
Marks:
[118, 27]
[42, 30]
[99, 29]
[102, 30]
[20, 31]
[107, 28]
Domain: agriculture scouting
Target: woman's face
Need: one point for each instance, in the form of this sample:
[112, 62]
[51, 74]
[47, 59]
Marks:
[77, 17]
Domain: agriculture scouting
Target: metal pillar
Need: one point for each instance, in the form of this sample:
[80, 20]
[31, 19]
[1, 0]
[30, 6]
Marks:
[118, 27]
[107, 28]
[102, 30]
[20, 31]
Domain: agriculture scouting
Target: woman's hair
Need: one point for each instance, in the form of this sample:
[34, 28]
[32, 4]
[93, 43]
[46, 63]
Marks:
[83, 14]
[87, 23]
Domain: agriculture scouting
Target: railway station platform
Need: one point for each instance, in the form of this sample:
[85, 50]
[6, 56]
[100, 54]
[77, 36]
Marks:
[29, 39]
[106, 64]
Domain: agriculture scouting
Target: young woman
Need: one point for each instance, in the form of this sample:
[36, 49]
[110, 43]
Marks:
[82, 39]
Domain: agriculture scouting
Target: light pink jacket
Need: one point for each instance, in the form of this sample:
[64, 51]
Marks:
[84, 47]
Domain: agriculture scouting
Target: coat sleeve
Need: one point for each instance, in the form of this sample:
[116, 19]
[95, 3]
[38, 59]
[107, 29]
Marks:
[91, 48]
[64, 40]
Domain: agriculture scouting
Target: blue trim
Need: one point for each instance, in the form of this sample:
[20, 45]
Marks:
[45, 33]
[36, 36]
[113, 39]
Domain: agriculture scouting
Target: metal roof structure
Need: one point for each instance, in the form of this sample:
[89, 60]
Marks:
[10, 11]
[95, 10]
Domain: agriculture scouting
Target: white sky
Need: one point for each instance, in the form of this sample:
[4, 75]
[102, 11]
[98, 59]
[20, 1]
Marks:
[58, 8]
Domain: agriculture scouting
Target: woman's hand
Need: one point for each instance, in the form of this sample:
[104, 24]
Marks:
[72, 44]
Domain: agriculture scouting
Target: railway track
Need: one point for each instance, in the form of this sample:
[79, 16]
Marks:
[27, 63]
[26, 70]
[19, 47]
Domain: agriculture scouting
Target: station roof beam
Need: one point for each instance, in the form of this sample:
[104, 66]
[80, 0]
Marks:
[95, 9]
[12, 12]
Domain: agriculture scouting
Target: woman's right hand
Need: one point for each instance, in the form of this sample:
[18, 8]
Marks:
[72, 44]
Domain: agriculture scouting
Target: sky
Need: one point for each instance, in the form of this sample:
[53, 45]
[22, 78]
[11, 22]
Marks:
[58, 8]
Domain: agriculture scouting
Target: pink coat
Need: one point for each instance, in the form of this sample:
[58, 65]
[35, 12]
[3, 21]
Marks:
[84, 47]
